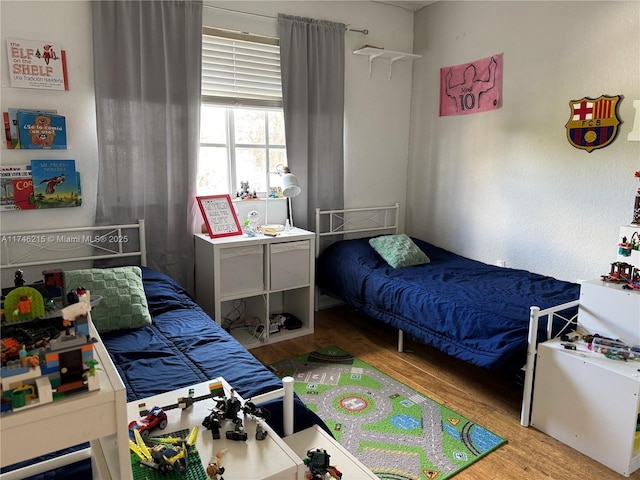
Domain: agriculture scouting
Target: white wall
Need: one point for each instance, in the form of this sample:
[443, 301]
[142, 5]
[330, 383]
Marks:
[507, 184]
[67, 23]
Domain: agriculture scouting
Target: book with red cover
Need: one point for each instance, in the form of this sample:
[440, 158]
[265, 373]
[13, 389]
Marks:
[8, 177]
[23, 197]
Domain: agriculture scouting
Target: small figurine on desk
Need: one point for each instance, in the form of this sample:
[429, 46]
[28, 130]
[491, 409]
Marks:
[215, 468]
[317, 462]
[23, 308]
[230, 408]
[18, 279]
[634, 282]
[251, 223]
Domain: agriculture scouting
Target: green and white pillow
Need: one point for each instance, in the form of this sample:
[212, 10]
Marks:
[399, 250]
[123, 304]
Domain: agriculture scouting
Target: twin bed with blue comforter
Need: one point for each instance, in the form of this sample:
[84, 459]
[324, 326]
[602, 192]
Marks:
[468, 309]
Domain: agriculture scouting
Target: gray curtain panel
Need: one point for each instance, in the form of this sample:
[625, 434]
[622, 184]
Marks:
[147, 61]
[312, 64]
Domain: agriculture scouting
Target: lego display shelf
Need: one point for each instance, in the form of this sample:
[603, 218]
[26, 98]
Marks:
[97, 416]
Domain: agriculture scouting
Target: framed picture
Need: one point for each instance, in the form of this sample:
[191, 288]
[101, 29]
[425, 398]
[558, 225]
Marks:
[219, 216]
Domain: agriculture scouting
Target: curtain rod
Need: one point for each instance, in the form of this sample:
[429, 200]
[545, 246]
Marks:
[363, 31]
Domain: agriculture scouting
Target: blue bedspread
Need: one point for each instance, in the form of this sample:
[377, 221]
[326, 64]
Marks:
[468, 309]
[182, 347]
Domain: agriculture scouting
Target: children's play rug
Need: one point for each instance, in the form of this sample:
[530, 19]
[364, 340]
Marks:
[395, 431]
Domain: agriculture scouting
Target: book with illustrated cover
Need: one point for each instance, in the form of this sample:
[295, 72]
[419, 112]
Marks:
[14, 182]
[40, 130]
[37, 64]
[23, 197]
[55, 183]
[7, 129]
[13, 123]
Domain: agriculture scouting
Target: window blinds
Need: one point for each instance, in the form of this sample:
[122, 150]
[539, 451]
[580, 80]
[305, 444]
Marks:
[240, 72]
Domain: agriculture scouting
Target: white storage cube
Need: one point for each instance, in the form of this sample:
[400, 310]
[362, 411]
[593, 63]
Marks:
[610, 310]
[241, 270]
[289, 264]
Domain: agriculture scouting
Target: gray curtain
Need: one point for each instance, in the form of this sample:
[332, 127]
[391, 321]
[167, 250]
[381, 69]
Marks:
[147, 61]
[312, 64]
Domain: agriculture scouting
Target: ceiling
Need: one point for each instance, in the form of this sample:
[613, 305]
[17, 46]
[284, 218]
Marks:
[408, 5]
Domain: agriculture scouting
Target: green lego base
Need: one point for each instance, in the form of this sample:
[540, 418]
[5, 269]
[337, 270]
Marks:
[195, 471]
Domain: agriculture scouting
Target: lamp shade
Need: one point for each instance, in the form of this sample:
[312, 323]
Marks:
[290, 186]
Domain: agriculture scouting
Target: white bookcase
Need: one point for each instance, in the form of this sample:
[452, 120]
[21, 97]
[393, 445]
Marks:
[99, 417]
[590, 403]
[584, 399]
[241, 281]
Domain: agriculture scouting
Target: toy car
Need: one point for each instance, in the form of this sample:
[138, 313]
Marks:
[156, 418]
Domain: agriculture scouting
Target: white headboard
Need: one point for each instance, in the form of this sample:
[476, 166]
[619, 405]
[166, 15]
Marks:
[355, 222]
[54, 247]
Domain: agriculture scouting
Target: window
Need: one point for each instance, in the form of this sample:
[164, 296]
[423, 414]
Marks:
[242, 135]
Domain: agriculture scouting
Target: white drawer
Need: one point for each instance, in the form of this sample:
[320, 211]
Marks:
[241, 270]
[289, 264]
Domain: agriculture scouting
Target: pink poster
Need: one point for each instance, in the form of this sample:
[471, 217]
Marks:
[471, 87]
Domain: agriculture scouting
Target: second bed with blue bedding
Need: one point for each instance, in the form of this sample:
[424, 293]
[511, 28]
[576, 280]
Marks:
[468, 309]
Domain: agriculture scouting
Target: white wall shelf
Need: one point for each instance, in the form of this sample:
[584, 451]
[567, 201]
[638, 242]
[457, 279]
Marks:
[390, 55]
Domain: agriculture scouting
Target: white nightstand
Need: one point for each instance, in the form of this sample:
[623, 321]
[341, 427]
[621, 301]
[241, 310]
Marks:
[241, 281]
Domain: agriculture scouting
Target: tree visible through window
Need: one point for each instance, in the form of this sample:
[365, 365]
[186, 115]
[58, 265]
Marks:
[242, 137]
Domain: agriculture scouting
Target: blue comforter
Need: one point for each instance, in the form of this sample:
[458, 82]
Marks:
[468, 309]
[183, 346]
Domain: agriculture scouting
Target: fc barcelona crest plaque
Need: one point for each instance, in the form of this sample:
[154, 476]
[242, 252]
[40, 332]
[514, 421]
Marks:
[593, 122]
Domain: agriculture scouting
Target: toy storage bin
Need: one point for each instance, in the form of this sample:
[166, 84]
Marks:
[242, 269]
[614, 349]
[289, 264]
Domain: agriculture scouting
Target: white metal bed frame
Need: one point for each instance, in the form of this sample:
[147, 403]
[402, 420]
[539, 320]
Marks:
[360, 222]
[55, 246]
[97, 242]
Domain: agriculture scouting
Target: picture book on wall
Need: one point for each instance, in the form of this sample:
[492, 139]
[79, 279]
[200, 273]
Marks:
[41, 130]
[16, 185]
[55, 183]
[11, 124]
[37, 64]
[7, 129]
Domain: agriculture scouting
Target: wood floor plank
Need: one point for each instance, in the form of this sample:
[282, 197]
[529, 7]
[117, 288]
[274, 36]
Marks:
[481, 396]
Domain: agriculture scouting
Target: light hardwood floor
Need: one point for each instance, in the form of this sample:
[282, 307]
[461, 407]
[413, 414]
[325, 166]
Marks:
[483, 397]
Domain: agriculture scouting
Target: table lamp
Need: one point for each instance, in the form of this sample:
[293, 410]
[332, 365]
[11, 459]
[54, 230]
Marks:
[290, 188]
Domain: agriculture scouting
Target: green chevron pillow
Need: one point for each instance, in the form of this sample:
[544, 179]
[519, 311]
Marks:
[399, 250]
[123, 304]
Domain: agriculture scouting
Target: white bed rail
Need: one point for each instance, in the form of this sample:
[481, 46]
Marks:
[76, 244]
[536, 315]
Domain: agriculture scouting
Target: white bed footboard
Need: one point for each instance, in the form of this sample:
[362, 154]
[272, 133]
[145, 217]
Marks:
[537, 315]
